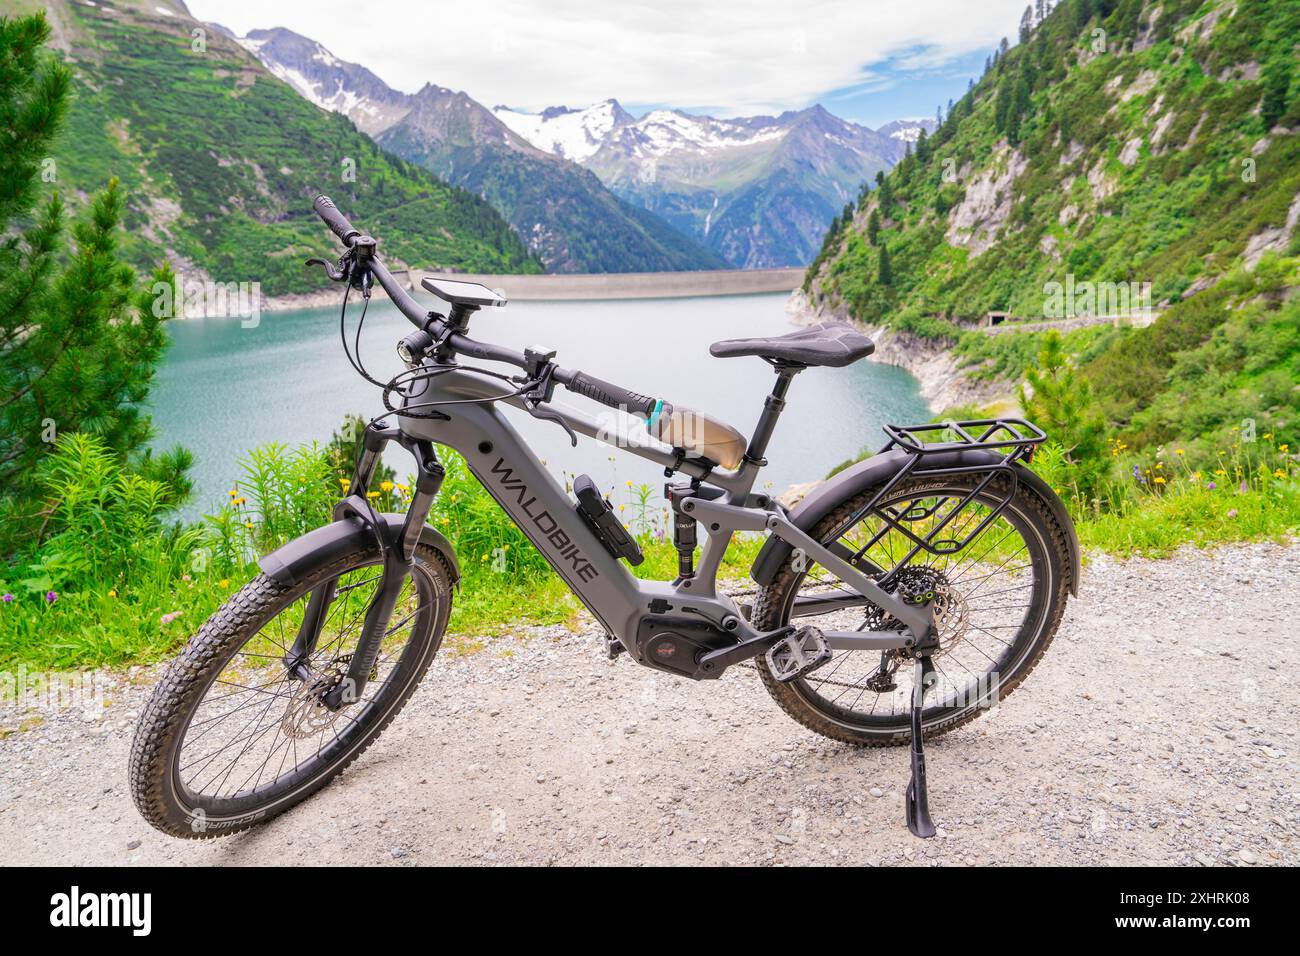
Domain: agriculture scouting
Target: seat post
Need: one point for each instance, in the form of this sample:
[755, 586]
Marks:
[773, 405]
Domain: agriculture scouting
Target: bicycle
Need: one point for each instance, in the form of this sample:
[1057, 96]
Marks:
[867, 589]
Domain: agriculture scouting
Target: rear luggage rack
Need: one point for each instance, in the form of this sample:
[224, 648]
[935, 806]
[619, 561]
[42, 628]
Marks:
[1014, 439]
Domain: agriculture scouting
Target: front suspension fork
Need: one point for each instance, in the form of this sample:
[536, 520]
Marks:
[398, 555]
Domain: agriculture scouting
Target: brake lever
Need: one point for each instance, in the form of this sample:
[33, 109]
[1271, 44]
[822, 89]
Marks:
[337, 273]
[540, 391]
[546, 415]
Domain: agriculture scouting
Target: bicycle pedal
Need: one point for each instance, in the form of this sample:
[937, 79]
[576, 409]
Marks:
[613, 646]
[803, 651]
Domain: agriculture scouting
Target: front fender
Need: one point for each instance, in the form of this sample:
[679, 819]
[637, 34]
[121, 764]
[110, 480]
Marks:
[291, 562]
[875, 471]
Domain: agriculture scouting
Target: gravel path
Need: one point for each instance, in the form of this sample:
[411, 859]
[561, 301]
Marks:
[1159, 729]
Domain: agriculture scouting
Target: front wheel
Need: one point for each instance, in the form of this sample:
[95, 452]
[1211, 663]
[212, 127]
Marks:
[998, 602]
[230, 738]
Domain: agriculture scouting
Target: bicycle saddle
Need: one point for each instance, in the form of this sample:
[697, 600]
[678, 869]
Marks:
[828, 343]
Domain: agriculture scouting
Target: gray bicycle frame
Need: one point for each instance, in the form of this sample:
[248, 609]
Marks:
[512, 474]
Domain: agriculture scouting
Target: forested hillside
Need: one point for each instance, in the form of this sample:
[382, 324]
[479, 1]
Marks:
[153, 86]
[1117, 141]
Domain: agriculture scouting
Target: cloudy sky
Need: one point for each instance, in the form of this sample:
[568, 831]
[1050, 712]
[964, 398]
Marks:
[867, 60]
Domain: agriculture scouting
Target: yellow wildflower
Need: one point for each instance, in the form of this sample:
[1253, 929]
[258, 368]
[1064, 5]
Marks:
[1159, 479]
[224, 583]
[372, 494]
[346, 483]
[386, 485]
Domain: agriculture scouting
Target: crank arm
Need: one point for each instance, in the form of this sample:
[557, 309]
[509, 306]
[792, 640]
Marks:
[714, 663]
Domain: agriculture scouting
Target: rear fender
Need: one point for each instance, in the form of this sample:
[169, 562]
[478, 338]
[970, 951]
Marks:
[299, 558]
[874, 472]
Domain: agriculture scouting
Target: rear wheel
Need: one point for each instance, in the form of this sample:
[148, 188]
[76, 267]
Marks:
[230, 738]
[998, 602]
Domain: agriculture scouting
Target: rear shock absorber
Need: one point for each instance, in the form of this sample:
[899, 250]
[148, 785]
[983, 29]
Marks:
[685, 536]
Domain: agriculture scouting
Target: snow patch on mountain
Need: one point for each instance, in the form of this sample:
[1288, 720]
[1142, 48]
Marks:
[573, 134]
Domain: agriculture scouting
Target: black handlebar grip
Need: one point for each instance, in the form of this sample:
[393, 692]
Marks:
[612, 395]
[337, 222]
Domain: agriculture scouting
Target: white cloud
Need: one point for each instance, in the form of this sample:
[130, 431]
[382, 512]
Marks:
[741, 56]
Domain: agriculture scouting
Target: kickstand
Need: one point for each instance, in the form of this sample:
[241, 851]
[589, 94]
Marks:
[918, 800]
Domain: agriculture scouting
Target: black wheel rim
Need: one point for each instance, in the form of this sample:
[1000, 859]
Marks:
[239, 752]
[1002, 579]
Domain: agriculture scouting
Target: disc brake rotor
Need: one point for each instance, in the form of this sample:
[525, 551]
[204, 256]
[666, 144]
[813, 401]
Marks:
[925, 586]
[307, 716]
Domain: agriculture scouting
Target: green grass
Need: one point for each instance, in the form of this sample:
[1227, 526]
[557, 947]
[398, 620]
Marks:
[1191, 515]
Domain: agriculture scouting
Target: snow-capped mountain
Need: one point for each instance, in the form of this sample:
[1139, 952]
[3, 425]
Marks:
[330, 83]
[907, 130]
[598, 189]
[565, 215]
[758, 190]
[573, 134]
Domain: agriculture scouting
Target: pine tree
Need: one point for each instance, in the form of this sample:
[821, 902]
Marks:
[1002, 106]
[873, 226]
[1062, 404]
[884, 270]
[79, 337]
[885, 194]
[1026, 24]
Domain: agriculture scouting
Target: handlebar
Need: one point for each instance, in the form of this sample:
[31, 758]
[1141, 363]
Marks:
[337, 222]
[588, 386]
[612, 395]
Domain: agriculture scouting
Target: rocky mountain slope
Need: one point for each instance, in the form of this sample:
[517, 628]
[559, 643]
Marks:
[568, 219]
[220, 160]
[757, 190]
